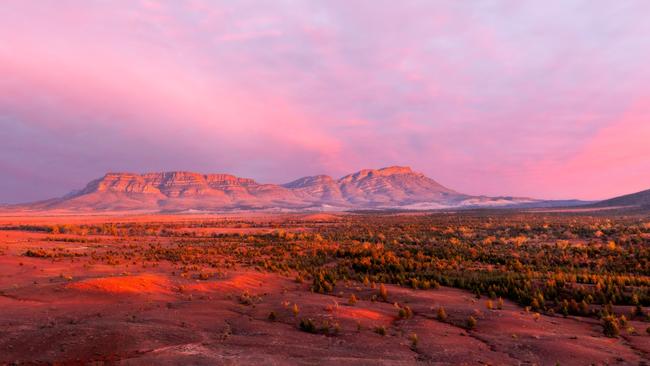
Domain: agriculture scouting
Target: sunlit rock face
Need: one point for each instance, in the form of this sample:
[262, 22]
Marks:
[391, 187]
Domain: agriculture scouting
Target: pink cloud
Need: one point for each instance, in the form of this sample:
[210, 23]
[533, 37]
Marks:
[520, 98]
[616, 160]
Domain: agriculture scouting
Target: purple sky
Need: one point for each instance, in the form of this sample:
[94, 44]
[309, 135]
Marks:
[549, 99]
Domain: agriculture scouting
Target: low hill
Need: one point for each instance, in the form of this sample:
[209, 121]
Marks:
[634, 200]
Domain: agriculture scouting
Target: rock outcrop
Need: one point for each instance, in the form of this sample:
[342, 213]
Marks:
[391, 187]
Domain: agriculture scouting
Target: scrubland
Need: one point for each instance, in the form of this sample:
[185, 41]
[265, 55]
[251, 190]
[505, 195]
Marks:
[482, 287]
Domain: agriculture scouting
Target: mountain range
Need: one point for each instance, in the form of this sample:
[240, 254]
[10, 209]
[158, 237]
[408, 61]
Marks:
[394, 187]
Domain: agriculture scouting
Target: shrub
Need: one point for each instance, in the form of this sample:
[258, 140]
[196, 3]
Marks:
[381, 330]
[409, 312]
[325, 327]
[414, 340]
[610, 326]
[366, 281]
[564, 307]
[246, 299]
[623, 321]
[352, 300]
[404, 313]
[535, 304]
[471, 323]
[442, 314]
[383, 293]
[307, 325]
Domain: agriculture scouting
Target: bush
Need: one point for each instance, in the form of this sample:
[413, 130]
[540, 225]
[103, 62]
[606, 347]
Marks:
[414, 340]
[307, 325]
[471, 323]
[442, 314]
[405, 313]
[564, 308]
[383, 293]
[381, 330]
[352, 300]
[610, 326]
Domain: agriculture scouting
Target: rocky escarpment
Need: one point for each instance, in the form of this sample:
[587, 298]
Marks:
[170, 184]
[392, 187]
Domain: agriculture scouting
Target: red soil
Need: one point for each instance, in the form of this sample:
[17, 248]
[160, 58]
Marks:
[238, 283]
[358, 314]
[74, 311]
[141, 284]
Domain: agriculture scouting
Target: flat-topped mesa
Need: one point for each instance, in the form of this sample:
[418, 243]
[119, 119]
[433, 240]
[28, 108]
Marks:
[119, 182]
[222, 180]
[393, 186]
[174, 184]
[171, 184]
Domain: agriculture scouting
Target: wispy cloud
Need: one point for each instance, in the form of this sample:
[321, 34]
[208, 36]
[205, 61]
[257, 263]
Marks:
[524, 98]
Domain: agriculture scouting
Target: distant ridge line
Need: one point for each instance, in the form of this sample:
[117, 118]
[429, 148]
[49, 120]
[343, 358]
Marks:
[393, 187]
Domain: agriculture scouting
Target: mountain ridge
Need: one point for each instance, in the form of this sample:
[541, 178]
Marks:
[639, 199]
[386, 188]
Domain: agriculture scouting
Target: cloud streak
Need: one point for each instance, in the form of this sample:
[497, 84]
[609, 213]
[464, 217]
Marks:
[521, 98]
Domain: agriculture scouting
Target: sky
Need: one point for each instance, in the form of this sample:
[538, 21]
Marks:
[545, 99]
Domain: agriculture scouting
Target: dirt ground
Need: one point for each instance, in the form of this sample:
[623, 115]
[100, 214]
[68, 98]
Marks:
[75, 311]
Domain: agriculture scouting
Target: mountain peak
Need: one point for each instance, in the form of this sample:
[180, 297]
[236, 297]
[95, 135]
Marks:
[383, 172]
[309, 181]
[395, 169]
[389, 187]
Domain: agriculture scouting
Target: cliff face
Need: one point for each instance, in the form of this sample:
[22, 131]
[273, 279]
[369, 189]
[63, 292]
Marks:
[171, 184]
[391, 187]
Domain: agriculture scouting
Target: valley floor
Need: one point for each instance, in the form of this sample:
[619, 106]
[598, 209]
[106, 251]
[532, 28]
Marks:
[76, 310]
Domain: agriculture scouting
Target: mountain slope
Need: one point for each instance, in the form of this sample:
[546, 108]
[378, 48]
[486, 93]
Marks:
[638, 199]
[394, 186]
[316, 189]
[391, 187]
[174, 191]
